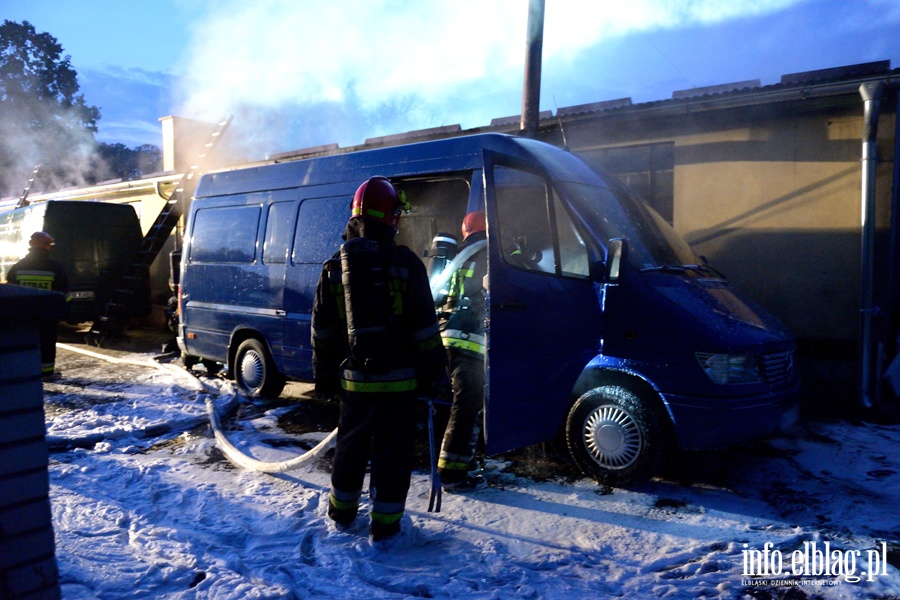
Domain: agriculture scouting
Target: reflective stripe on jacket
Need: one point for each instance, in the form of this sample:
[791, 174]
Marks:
[42, 280]
[454, 338]
[395, 380]
[38, 270]
[462, 312]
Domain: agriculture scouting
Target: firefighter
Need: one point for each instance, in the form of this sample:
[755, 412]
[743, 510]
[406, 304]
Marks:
[38, 270]
[462, 333]
[375, 342]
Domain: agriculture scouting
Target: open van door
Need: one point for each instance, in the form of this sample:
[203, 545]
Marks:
[543, 308]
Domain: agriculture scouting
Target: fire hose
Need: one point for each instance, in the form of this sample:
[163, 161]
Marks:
[251, 464]
[231, 452]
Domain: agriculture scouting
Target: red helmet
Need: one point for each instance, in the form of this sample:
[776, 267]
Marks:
[379, 200]
[473, 222]
[41, 239]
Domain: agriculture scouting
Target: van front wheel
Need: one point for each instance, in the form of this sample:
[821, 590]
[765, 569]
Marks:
[255, 372]
[615, 437]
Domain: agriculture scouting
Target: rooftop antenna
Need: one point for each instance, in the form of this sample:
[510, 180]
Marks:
[23, 199]
[562, 128]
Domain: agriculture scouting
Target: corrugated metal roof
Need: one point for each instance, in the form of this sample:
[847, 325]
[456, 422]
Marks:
[517, 119]
[838, 73]
[418, 133]
[821, 83]
[593, 107]
[710, 90]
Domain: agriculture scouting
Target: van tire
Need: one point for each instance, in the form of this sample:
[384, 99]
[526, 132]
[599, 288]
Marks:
[615, 437]
[255, 372]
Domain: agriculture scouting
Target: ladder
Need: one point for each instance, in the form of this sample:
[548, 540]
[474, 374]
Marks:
[114, 317]
[23, 199]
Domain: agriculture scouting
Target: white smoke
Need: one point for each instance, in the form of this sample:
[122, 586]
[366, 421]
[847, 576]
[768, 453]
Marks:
[293, 64]
[66, 155]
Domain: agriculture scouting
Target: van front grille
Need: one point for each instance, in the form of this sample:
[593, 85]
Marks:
[778, 367]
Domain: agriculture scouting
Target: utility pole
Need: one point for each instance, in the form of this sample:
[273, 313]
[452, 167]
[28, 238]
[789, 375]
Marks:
[531, 94]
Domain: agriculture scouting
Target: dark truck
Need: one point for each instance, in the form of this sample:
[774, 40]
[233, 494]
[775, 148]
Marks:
[95, 242]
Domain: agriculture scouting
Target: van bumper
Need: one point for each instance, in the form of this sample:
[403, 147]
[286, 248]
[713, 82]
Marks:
[708, 423]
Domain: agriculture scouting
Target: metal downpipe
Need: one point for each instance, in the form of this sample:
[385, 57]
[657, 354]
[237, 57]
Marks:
[871, 93]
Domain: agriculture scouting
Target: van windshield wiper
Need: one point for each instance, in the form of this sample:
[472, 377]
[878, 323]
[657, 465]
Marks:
[682, 268]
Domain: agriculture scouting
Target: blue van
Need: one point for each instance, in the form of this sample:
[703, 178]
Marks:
[615, 335]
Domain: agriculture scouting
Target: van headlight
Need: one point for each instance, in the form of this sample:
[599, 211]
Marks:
[730, 368]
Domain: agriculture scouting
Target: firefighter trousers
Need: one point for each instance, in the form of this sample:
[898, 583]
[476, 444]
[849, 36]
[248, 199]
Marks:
[48, 335]
[376, 427]
[466, 415]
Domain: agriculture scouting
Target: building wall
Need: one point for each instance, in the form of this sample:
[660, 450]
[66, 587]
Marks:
[773, 200]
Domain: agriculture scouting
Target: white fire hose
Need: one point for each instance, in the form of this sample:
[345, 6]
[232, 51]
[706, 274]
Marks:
[233, 454]
[252, 464]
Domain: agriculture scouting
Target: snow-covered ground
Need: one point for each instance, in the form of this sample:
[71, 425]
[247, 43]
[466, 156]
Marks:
[145, 505]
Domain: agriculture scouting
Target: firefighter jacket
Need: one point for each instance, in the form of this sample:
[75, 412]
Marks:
[462, 312]
[38, 270]
[408, 354]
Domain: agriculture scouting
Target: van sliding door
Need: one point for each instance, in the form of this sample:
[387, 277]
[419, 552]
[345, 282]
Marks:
[543, 308]
[320, 223]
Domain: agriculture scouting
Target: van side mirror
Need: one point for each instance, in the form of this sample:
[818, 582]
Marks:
[616, 255]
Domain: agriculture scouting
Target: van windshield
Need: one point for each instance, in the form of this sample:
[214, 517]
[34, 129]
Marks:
[652, 242]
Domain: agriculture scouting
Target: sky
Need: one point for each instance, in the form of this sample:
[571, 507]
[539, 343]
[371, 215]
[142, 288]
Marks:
[302, 73]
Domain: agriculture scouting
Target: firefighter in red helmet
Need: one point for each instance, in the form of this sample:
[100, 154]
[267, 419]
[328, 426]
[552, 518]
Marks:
[462, 332]
[38, 270]
[375, 342]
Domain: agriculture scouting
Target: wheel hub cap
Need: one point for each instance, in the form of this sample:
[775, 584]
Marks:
[252, 370]
[612, 437]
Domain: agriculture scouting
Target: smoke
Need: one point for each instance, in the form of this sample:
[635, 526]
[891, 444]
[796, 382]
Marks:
[65, 151]
[296, 74]
[343, 71]
[572, 26]
[43, 119]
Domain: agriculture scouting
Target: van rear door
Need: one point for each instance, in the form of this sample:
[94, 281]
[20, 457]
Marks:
[544, 312]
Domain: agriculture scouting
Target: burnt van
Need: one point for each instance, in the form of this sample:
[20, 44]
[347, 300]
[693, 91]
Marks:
[616, 335]
[96, 242]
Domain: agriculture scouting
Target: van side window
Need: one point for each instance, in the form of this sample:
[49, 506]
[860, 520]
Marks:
[279, 227]
[320, 224]
[225, 235]
[536, 231]
[573, 253]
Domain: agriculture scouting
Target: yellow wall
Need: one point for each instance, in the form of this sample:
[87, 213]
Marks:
[777, 207]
